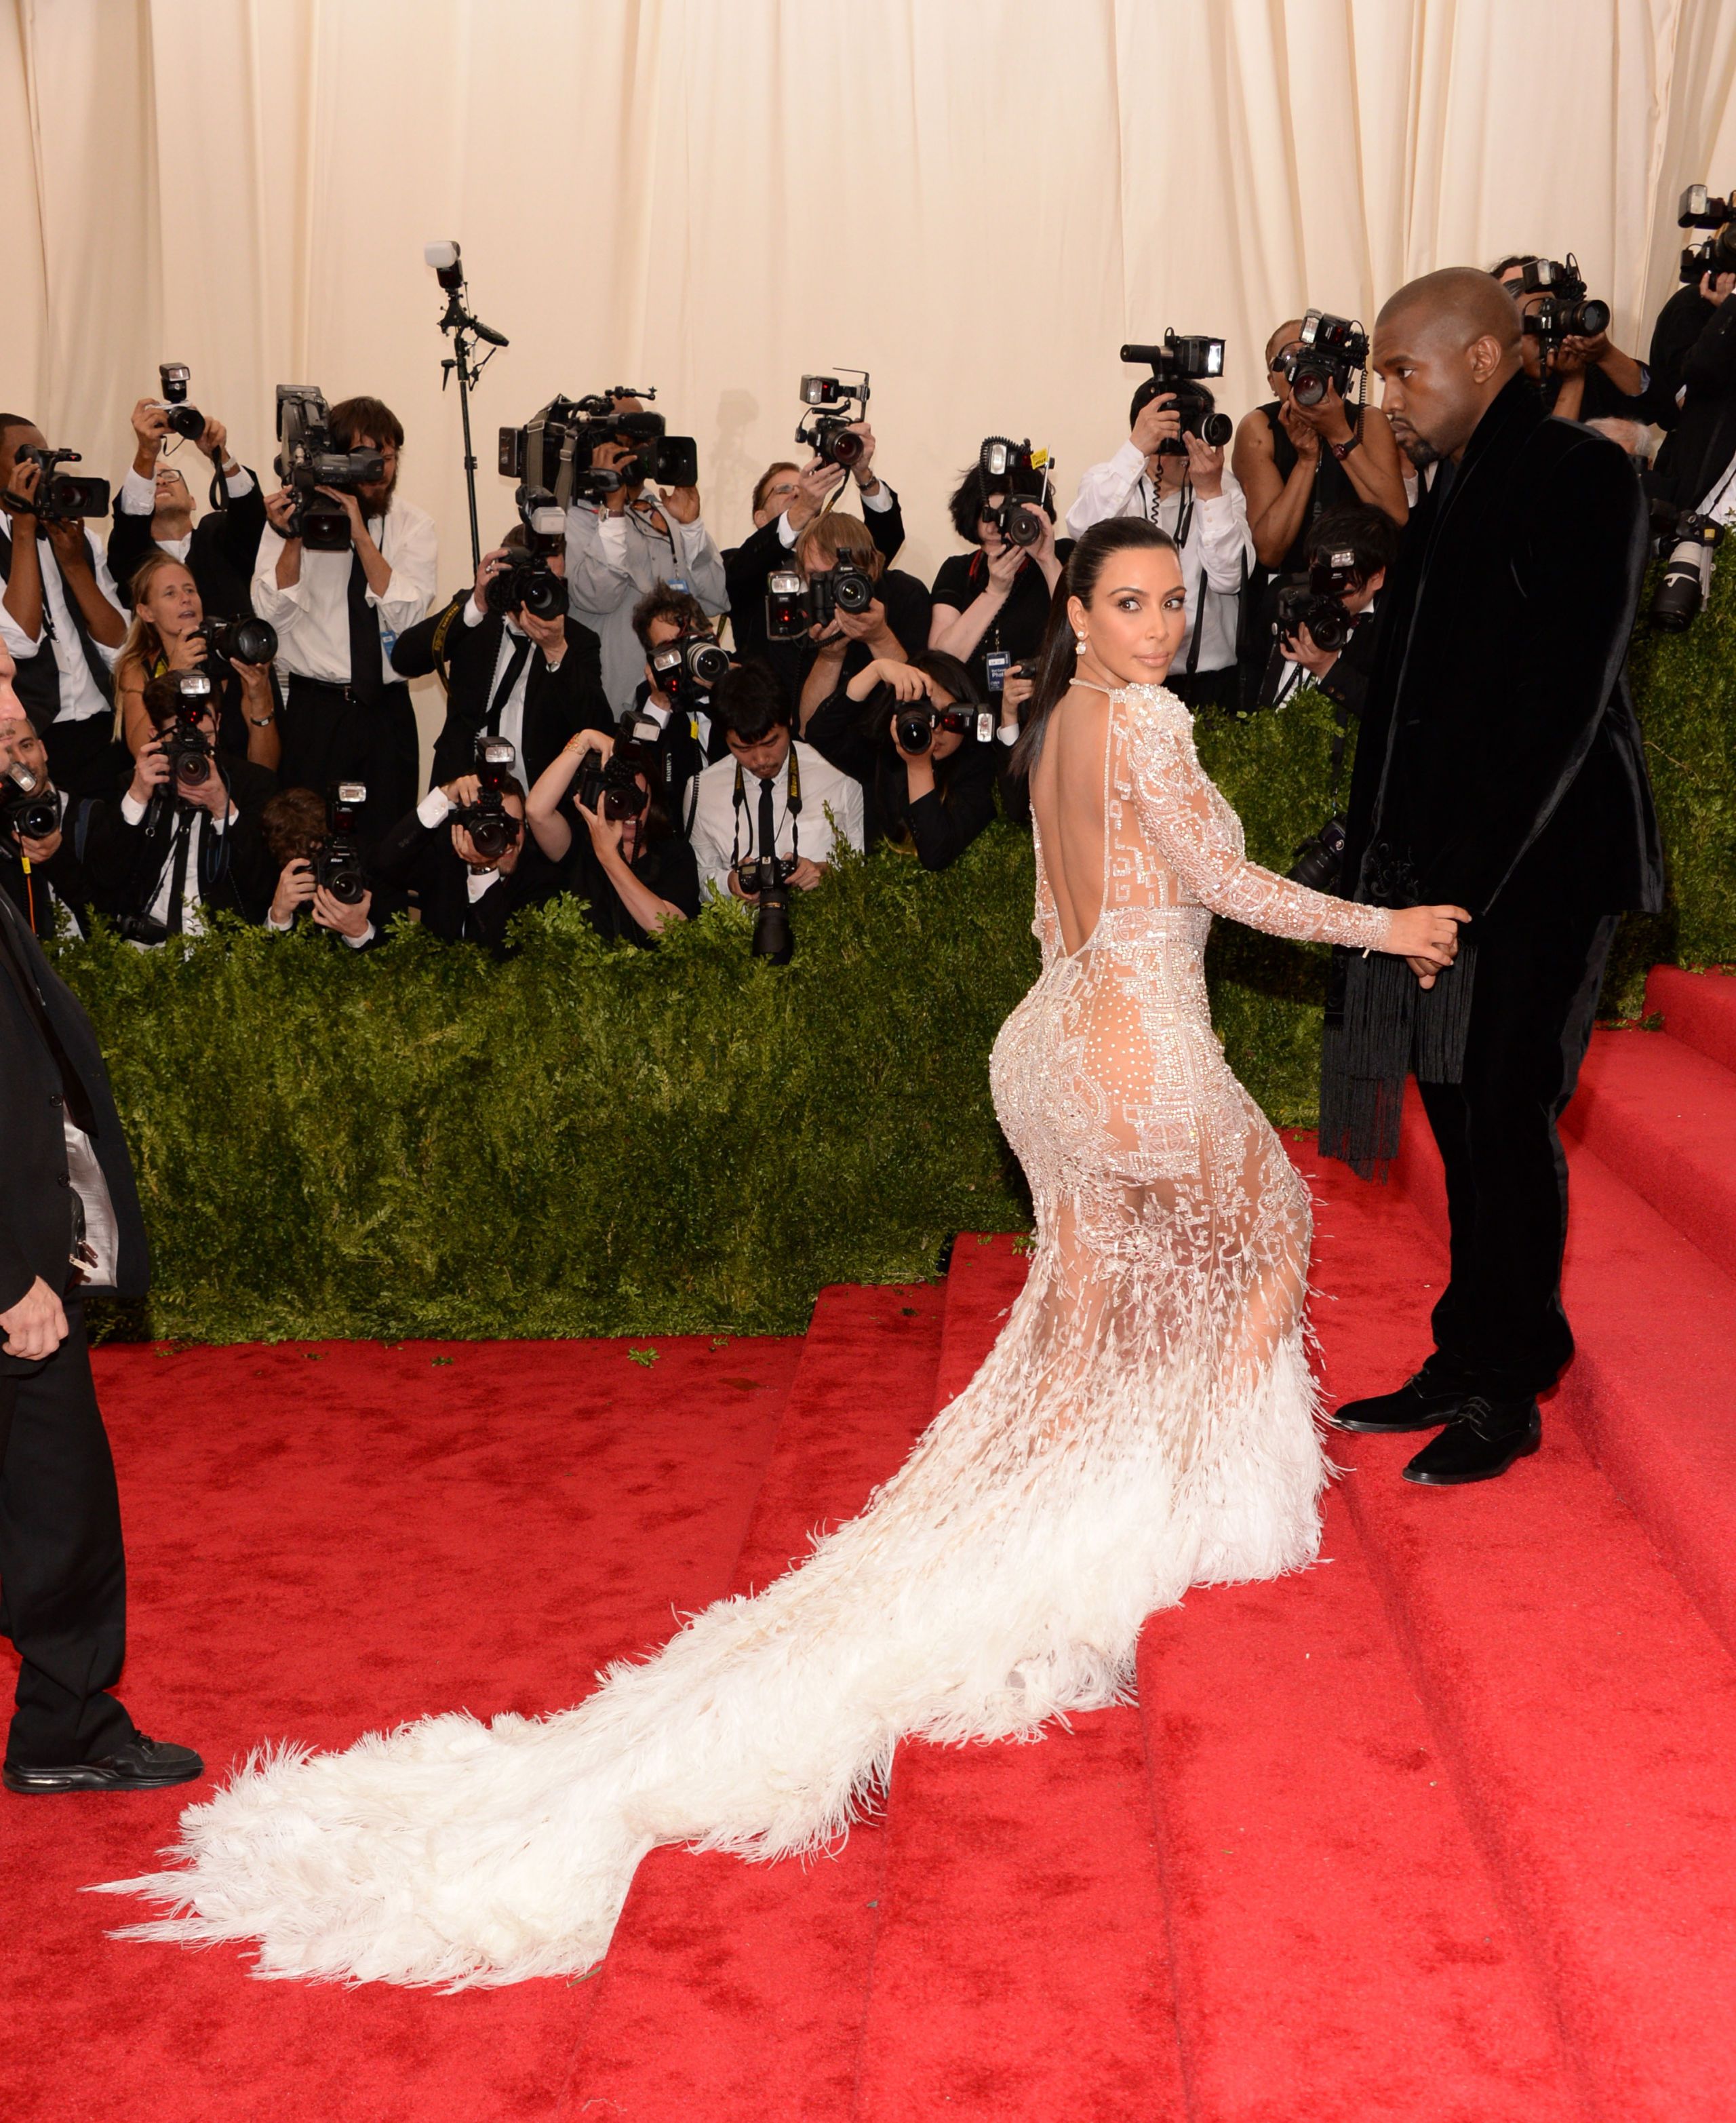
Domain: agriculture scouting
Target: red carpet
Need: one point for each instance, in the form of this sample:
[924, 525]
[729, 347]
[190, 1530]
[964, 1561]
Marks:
[1440, 1831]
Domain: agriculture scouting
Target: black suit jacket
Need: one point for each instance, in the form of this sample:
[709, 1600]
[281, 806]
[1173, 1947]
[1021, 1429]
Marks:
[1694, 349]
[746, 567]
[124, 863]
[63, 876]
[35, 1199]
[422, 860]
[557, 703]
[225, 543]
[1500, 762]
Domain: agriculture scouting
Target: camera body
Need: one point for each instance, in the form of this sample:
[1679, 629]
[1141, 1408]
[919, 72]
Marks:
[1716, 253]
[1318, 859]
[610, 787]
[1001, 462]
[338, 867]
[1331, 351]
[173, 377]
[687, 668]
[308, 458]
[768, 878]
[1180, 366]
[492, 828]
[1686, 539]
[528, 583]
[552, 453]
[917, 721]
[29, 809]
[1565, 312]
[792, 605]
[185, 745]
[837, 404]
[61, 497]
[1316, 601]
[245, 640]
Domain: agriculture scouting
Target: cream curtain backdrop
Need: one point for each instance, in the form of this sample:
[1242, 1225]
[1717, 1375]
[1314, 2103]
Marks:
[977, 200]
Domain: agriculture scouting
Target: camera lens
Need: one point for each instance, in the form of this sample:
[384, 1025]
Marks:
[1215, 430]
[851, 590]
[708, 663]
[916, 731]
[543, 594]
[1308, 383]
[843, 448]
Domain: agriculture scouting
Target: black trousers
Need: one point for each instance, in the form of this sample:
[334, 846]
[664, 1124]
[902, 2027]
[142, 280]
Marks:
[63, 1570]
[1499, 1327]
[331, 734]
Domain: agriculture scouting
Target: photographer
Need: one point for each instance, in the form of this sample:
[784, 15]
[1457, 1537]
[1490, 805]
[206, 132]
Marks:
[928, 789]
[1201, 505]
[534, 680]
[689, 739]
[40, 826]
[154, 508]
[894, 627]
[58, 595]
[1589, 378]
[185, 836]
[295, 828]
[1370, 538]
[786, 499]
[348, 713]
[165, 634]
[465, 896]
[773, 796]
[625, 544]
[1694, 379]
[989, 607]
[633, 871]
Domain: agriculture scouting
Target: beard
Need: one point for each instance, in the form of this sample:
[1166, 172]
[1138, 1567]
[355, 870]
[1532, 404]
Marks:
[1420, 453]
[376, 499]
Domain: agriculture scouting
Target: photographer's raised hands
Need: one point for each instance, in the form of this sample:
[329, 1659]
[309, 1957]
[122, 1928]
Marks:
[1159, 422]
[150, 424]
[150, 772]
[1204, 468]
[295, 889]
[1716, 288]
[817, 479]
[543, 811]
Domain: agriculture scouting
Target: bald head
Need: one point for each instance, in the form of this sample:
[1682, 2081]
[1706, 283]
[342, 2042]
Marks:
[1445, 347]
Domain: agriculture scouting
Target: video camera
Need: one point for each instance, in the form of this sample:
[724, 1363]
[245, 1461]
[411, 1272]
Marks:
[1316, 601]
[60, 497]
[173, 377]
[1179, 366]
[792, 605]
[551, 454]
[1329, 352]
[530, 585]
[610, 787]
[1716, 253]
[29, 808]
[1002, 464]
[686, 669]
[247, 641]
[1564, 312]
[338, 867]
[308, 458]
[492, 828]
[826, 433]
[1686, 539]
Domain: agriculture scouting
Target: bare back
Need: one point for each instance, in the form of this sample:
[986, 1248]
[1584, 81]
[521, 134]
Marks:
[1068, 799]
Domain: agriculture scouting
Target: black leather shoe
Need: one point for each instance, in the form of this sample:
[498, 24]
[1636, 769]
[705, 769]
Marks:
[1483, 1441]
[142, 1764]
[1419, 1404]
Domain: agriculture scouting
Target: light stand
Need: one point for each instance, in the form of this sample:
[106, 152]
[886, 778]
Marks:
[465, 331]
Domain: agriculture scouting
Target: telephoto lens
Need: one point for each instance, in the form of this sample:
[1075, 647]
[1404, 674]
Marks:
[772, 939]
[1319, 858]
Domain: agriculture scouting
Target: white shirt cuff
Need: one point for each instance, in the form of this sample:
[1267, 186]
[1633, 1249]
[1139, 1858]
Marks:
[138, 495]
[435, 809]
[473, 614]
[878, 502]
[356, 942]
[131, 809]
[279, 928]
[238, 482]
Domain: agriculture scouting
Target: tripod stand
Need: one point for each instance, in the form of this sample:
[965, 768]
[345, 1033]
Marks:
[465, 331]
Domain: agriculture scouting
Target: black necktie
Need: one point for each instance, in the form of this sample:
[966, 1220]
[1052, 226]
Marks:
[175, 919]
[364, 635]
[509, 678]
[768, 839]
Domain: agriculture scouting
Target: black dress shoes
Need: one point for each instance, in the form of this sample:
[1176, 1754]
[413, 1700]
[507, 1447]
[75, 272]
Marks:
[142, 1764]
[1422, 1403]
[1482, 1442]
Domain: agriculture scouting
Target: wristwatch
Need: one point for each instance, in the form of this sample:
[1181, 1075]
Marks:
[263, 722]
[1342, 450]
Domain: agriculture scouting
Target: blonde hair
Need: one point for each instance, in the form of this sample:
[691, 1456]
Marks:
[831, 538]
[141, 652]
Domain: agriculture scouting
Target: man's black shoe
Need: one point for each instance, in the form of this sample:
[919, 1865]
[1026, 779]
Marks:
[1419, 1404]
[142, 1764]
[1483, 1441]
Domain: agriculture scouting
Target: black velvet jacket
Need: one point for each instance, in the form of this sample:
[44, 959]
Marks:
[1500, 762]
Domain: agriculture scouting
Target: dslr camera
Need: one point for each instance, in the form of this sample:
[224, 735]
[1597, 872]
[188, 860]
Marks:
[1316, 601]
[173, 377]
[308, 458]
[338, 867]
[1179, 366]
[768, 876]
[1564, 312]
[687, 668]
[29, 809]
[1686, 539]
[610, 787]
[247, 641]
[492, 828]
[551, 454]
[793, 605]
[1716, 253]
[530, 585]
[916, 722]
[185, 745]
[836, 407]
[1002, 463]
[61, 497]
[1330, 351]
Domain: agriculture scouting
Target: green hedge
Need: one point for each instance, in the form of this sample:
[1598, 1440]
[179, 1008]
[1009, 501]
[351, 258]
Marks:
[589, 1138]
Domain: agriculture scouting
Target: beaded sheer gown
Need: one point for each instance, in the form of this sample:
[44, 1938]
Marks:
[1145, 1423]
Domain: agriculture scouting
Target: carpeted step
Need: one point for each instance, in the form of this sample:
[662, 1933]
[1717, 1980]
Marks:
[1022, 1969]
[732, 1991]
[1663, 1117]
[1652, 1389]
[1698, 1009]
[1586, 1713]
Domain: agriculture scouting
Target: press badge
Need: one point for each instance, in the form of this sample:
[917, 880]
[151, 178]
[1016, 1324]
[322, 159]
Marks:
[997, 664]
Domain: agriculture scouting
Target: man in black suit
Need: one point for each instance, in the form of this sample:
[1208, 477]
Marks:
[70, 1228]
[535, 682]
[464, 895]
[41, 872]
[153, 509]
[1499, 769]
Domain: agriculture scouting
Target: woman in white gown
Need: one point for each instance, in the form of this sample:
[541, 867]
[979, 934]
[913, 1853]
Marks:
[1145, 1423]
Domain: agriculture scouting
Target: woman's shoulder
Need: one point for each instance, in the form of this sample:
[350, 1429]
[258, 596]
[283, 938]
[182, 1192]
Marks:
[953, 574]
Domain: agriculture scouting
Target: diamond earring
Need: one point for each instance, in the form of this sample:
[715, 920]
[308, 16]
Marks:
[1078, 640]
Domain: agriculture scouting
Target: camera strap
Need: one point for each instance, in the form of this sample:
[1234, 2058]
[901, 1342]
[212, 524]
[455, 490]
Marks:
[792, 804]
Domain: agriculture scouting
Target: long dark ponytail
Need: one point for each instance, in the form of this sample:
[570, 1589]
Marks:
[1058, 658]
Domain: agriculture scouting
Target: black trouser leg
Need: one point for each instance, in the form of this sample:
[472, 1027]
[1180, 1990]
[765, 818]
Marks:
[61, 1560]
[1500, 1325]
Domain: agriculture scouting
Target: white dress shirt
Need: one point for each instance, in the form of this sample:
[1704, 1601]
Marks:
[722, 832]
[880, 500]
[138, 498]
[1218, 542]
[80, 695]
[312, 615]
[434, 809]
[192, 922]
[511, 725]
